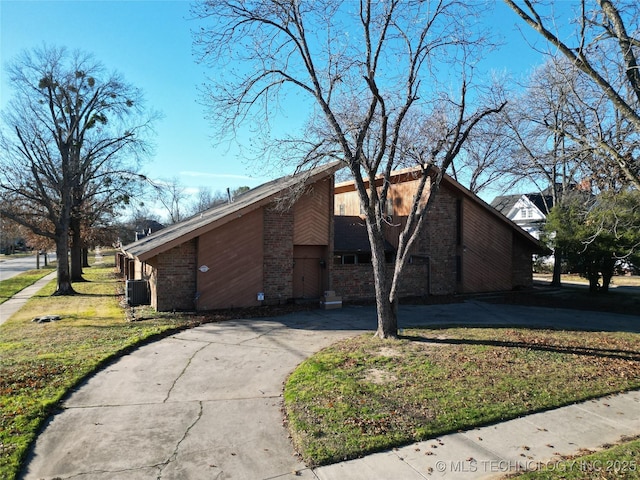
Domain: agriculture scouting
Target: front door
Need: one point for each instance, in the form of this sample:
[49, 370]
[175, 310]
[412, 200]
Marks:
[307, 272]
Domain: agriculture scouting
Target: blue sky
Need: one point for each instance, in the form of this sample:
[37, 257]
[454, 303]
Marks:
[150, 43]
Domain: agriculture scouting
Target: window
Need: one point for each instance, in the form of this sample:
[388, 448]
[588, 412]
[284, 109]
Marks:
[352, 258]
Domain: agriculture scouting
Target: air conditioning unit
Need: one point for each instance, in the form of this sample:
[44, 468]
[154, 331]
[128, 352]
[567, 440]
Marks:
[138, 293]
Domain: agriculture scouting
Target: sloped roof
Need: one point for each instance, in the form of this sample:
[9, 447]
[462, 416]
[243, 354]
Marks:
[181, 232]
[505, 203]
[350, 235]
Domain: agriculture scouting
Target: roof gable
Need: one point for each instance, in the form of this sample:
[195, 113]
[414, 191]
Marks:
[208, 220]
[410, 174]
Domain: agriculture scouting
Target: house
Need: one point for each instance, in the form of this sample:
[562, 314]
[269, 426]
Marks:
[271, 244]
[528, 210]
[465, 247]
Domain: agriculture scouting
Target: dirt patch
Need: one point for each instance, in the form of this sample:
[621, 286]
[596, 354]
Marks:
[389, 352]
[379, 377]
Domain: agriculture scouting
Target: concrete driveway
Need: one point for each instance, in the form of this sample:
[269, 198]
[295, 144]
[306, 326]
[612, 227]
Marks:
[206, 403]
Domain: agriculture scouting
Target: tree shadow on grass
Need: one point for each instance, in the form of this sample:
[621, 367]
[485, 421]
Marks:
[610, 353]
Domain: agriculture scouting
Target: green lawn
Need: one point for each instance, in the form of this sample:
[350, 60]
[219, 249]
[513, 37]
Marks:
[620, 461]
[39, 363]
[363, 395]
[358, 396]
[13, 285]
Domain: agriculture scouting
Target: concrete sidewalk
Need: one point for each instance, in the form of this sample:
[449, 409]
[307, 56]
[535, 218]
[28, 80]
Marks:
[526, 443]
[15, 303]
[206, 404]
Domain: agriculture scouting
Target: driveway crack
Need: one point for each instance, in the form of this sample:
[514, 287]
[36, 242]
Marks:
[166, 399]
[184, 436]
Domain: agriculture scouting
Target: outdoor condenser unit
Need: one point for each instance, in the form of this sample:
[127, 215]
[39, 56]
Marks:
[138, 292]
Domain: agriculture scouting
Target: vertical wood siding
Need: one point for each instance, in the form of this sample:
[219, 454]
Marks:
[233, 253]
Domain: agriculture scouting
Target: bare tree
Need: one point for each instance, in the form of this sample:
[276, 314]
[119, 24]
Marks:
[604, 46]
[486, 157]
[172, 195]
[71, 140]
[543, 151]
[375, 72]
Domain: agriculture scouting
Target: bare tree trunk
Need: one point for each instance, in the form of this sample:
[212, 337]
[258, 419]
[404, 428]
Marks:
[387, 310]
[556, 280]
[608, 266]
[62, 252]
[76, 252]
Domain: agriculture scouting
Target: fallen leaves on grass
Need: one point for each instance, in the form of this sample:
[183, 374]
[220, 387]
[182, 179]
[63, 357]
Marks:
[360, 396]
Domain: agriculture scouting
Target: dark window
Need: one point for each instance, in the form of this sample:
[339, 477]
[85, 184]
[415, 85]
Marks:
[364, 258]
[349, 259]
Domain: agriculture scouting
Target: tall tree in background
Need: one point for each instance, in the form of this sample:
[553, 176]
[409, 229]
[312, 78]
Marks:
[71, 140]
[486, 159]
[541, 123]
[597, 232]
[603, 43]
[375, 72]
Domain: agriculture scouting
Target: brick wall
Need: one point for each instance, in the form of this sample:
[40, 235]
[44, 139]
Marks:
[278, 255]
[355, 282]
[175, 278]
[438, 242]
[522, 264]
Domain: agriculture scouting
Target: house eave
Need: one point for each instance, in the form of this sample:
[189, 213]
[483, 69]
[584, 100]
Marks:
[145, 249]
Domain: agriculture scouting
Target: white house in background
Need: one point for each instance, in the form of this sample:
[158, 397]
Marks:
[527, 210]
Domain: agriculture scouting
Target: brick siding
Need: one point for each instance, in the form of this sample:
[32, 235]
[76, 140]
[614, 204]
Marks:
[278, 255]
[176, 270]
[522, 265]
[355, 282]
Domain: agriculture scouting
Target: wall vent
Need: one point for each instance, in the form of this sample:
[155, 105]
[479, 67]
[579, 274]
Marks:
[138, 293]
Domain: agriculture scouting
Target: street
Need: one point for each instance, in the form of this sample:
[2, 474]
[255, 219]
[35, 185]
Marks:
[10, 267]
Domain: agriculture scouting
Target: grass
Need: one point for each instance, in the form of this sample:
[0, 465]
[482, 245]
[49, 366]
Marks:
[620, 461]
[356, 397]
[362, 395]
[13, 285]
[40, 363]
[616, 281]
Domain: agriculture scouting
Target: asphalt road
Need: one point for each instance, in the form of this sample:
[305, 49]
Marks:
[10, 267]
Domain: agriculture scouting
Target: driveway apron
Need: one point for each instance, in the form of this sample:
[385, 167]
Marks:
[202, 404]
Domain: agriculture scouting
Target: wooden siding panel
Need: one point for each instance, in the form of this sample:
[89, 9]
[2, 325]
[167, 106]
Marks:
[347, 203]
[487, 256]
[234, 257]
[312, 215]
[400, 193]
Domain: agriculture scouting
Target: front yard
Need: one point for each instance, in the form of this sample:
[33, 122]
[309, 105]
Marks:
[356, 397]
[364, 395]
[40, 363]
